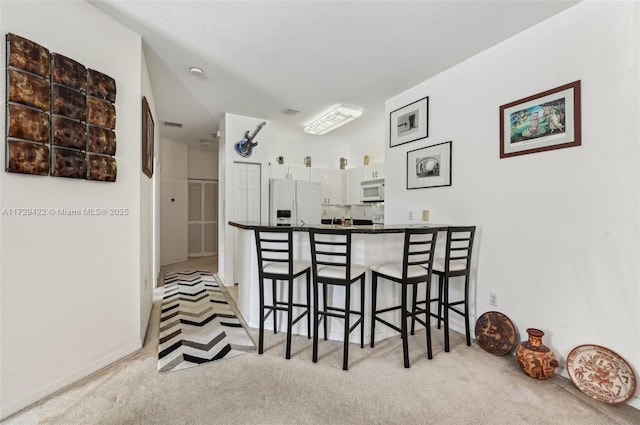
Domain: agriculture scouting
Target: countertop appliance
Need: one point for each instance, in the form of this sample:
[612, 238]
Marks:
[373, 190]
[300, 198]
[283, 217]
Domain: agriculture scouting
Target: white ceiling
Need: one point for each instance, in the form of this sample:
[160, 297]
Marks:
[262, 56]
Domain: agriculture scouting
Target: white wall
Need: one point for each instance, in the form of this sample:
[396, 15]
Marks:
[70, 284]
[173, 214]
[232, 130]
[558, 231]
[352, 141]
[202, 164]
[149, 212]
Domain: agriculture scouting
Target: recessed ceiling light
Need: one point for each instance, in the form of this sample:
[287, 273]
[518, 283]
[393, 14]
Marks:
[198, 72]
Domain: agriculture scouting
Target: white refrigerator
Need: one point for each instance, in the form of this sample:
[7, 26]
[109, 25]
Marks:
[301, 198]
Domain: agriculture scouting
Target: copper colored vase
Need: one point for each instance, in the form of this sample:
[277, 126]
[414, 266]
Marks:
[535, 358]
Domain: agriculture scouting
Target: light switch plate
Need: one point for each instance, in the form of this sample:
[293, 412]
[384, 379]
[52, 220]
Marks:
[425, 215]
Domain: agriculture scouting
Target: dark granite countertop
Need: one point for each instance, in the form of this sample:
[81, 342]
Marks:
[367, 229]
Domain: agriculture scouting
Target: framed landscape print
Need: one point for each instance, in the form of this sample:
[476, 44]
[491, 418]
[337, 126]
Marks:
[429, 167]
[542, 122]
[409, 123]
[147, 139]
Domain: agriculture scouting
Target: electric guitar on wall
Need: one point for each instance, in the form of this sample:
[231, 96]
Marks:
[245, 146]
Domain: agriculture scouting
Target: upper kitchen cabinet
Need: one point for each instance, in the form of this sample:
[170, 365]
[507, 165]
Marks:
[373, 171]
[352, 185]
[288, 172]
[331, 183]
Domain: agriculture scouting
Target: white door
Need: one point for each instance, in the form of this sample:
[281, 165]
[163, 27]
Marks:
[203, 218]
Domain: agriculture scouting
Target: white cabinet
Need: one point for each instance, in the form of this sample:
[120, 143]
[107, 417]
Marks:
[331, 183]
[373, 171]
[288, 172]
[353, 190]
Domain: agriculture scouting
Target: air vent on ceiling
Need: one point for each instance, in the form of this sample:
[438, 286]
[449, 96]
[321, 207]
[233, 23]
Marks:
[287, 111]
[172, 124]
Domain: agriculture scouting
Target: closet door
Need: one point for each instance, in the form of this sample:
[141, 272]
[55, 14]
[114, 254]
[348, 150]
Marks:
[203, 218]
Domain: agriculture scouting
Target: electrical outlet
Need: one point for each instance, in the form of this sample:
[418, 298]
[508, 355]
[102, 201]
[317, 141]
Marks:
[493, 299]
[410, 215]
[425, 215]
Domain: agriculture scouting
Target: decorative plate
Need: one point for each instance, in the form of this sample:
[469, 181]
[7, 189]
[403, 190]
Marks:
[495, 333]
[601, 374]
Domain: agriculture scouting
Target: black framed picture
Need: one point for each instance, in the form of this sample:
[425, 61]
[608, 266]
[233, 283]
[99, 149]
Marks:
[541, 122]
[147, 139]
[429, 166]
[409, 123]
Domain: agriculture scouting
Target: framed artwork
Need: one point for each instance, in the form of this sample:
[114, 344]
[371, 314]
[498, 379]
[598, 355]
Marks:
[542, 122]
[409, 123]
[429, 167]
[147, 139]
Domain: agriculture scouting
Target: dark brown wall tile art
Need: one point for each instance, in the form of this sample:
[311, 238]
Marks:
[102, 113]
[103, 168]
[29, 90]
[69, 72]
[28, 124]
[69, 133]
[102, 86]
[102, 140]
[61, 116]
[69, 163]
[27, 158]
[26, 55]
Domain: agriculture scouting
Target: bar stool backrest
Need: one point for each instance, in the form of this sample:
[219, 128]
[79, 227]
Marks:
[419, 247]
[458, 250]
[331, 250]
[275, 246]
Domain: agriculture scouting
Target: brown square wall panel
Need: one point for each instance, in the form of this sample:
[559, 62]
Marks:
[27, 158]
[28, 55]
[69, 72]
[102, 113]
[102, 140]
[29, 90]
[70, 103]
[27, 123]
[69, 133]
[103, 168]
[69, 163]
[102, 86]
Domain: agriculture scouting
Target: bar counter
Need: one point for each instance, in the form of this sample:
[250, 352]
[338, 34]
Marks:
[370, 244]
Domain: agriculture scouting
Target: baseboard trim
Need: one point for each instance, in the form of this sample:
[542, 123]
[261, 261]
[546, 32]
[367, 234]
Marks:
[10, 407]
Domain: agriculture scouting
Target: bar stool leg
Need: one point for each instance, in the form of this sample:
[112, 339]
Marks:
[362, 312]
[262, 319]
[413, 310]
[307, 274]
[466, 310]
[445, 296]
[345, 355]
[374, 293]
[440, 289]
[315, 323]
[428, 321]
[405, 337]
[324, 309]
[275, 303]
[289, 317]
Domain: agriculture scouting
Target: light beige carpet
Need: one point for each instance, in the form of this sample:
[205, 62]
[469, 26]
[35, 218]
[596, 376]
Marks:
[465, 386]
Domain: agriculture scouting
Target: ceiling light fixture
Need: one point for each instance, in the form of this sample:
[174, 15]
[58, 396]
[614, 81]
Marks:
[331, 120]
[198, 72]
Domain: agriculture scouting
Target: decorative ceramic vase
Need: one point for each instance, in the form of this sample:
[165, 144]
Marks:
[535, 358]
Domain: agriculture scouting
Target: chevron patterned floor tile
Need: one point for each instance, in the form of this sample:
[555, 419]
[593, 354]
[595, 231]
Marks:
[197, 325]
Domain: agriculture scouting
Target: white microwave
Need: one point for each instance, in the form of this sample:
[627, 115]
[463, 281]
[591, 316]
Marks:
[373, 190]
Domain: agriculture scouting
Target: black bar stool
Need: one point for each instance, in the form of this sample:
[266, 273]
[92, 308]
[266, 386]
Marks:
[415, 268]
[331, 264]
[457, 262]
[275, 261]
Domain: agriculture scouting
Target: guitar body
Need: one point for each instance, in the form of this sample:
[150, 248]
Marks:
[244, 147]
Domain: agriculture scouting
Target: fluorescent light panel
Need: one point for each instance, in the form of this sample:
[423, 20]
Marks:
[333, 119]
